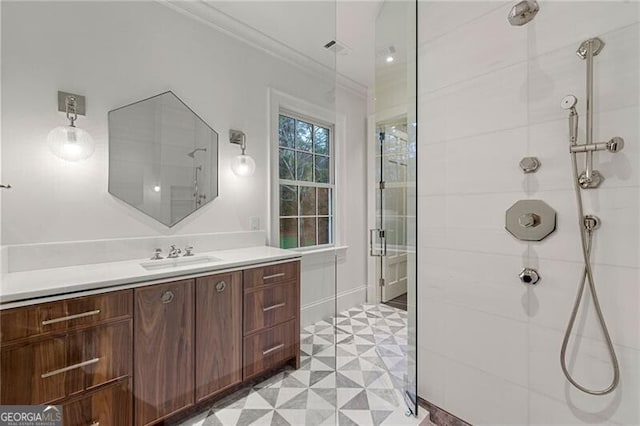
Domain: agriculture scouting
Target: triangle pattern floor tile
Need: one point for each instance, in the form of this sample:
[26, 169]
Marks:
[298, 402]
[278, 420]
[370, 357]
[249, 416]
[358, 402]
[380, 416]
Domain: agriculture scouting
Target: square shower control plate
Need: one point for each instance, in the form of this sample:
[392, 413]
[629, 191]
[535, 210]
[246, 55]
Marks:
[530, 220]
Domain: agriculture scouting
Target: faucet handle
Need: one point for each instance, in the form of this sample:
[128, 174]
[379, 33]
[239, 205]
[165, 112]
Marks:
[156, 254]
[188, 251]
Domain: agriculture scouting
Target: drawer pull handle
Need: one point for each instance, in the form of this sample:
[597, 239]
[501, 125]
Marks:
[95, 424]
[279, 305]
[267, 277]
[167, 297]
[221, 286]
[71, 367]
[275, 348]
[71, 317]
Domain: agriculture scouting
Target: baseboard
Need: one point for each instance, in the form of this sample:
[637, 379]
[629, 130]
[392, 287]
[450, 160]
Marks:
[324, 308]
[441, 417]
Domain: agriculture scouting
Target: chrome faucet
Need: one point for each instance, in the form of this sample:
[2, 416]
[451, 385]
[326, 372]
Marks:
[174, 252]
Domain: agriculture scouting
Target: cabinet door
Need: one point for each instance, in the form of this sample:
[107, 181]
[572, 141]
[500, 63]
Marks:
[218, 333]
[163, 347]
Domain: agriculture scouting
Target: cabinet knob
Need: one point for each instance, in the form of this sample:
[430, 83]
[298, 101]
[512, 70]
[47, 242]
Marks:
[221, 286]
[167, 297]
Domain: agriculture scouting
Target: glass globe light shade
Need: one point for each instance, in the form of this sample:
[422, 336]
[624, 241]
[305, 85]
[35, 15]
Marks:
[243, 165]
[70, 143]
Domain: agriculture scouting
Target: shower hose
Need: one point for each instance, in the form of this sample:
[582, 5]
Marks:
[587, 228]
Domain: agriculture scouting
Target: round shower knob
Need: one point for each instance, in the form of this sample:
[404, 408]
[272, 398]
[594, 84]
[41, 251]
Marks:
[530, 164]
[568, 102]
[529, 276]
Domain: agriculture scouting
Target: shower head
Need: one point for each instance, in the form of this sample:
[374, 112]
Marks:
[569, 102]
[192, 154]
[523, 12]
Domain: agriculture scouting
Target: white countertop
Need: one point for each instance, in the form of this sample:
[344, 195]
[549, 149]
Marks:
[29, 286]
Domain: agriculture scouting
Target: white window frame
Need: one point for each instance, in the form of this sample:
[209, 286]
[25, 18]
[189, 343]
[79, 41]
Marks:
[280, 102]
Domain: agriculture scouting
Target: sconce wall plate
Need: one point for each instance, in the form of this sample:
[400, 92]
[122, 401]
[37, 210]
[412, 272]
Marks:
[81, 108]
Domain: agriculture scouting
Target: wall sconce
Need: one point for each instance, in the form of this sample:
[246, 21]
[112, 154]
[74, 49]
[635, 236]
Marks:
[70, 142]
[242, 165]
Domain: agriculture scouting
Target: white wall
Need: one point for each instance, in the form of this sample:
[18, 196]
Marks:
[115, 53]
[489, 95]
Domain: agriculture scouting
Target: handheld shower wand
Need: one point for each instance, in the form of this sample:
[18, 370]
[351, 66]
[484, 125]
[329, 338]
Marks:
[569, 102]
[588, 224]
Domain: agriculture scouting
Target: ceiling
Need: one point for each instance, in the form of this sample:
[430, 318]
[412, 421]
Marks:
[303, 27]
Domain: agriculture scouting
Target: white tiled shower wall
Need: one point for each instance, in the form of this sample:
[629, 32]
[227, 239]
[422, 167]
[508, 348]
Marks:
[489, 94]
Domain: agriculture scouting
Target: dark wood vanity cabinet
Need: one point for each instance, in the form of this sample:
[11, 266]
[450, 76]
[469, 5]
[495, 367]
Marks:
[164, 342]
[271, 318]
[75, 353]
[141, 356]
[218, 334]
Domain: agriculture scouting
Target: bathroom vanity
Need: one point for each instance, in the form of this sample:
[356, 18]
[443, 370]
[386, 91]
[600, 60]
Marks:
[143, 352]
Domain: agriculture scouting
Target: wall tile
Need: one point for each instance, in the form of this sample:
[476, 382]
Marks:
[550, 140]
[615, 242]
[487, 283]
[560, 23]
[474, 396]
[431, 381]
[591, 367]
[441, 17]
[553, 298]
[475, 222]
[476, 338]
[433, 210]
[545, 411]
[431, 315]
[441, 68]
[432, 166]
[484, 104]
[468, 267]
[561, 72]
[486, 163]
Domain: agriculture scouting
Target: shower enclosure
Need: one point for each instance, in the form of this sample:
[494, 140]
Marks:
[392, 156]
[492, 133]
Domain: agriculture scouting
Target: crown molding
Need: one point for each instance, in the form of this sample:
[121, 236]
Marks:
[228, 25]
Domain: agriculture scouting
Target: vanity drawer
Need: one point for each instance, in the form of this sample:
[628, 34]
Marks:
[51, 369]
[269, 306]
[64, 315]
[267, 349]
[109, 406]
[272, 274]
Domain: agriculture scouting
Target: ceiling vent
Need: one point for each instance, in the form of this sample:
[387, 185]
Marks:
[337, 47]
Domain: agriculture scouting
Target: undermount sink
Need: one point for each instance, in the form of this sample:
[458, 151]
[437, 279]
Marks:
[153, 265]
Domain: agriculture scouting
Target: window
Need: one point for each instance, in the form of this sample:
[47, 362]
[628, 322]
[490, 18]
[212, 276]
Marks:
[305, 182]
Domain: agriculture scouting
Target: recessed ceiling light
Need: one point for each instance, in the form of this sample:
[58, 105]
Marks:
[389, 59]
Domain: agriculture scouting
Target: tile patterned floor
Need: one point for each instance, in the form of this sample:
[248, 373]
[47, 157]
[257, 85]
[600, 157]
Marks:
[356, 382]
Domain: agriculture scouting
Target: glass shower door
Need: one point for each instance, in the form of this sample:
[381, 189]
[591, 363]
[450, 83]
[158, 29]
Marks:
[394, 239]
